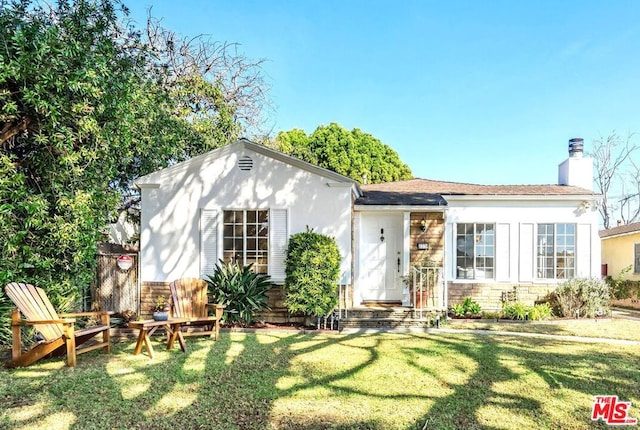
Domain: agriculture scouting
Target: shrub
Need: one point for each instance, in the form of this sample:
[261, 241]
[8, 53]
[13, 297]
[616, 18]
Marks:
[515, 311]
[468, 307]
[541, 311]
[623, 288]
[491, 315]
[582, 297]
[312, 270]
[6, 306]
[240, 290]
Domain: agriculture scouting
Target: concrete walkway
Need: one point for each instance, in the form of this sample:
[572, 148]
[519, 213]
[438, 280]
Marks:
[625, 313]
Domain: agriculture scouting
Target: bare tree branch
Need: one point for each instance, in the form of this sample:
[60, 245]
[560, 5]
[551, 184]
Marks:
[610, 157]
[240, 79]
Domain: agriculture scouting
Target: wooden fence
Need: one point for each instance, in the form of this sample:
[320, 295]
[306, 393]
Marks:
[116, 289]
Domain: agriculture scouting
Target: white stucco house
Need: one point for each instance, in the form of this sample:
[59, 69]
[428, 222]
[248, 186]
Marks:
[241, 202]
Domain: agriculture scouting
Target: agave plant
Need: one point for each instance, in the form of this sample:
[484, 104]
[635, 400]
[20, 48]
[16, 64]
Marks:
[240, 290]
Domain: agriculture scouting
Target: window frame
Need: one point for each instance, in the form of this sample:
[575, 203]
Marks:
[479, 241]
[260, 254]
[560, 244]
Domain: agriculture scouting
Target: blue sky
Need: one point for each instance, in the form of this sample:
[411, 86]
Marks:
[472, 91]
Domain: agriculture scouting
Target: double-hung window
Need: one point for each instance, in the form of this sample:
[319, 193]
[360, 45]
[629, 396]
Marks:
[246, 238]
[556, 251]
[475, 251]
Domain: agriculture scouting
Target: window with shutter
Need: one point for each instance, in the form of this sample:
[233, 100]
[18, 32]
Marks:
[249, 236]
[556, 251]
[278, 250]
[208, 241]
[636, 258]
[245, 238]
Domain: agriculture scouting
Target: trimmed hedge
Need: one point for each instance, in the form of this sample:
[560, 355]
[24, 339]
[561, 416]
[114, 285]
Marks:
[312, 271]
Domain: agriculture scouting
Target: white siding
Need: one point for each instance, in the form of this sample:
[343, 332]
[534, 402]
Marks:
[527, 243]
[516, 222]
[278, 237]
[208, 241]
[503, 252]
[171, 211]
[583, 251]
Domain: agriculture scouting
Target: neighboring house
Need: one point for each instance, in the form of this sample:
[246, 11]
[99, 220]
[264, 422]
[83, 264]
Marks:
[621, 251]
[242, 202]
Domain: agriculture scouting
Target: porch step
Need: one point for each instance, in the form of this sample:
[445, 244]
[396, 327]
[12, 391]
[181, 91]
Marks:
[383, 323]
[386, 318]
[381, 304]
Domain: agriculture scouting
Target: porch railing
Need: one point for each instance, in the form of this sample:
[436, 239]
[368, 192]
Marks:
[427, 289]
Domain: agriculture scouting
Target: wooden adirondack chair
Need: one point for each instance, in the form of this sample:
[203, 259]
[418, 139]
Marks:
[190, 301]
[57, 331]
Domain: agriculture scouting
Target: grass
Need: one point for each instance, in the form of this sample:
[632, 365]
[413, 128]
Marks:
[280, 380]
[612, 328]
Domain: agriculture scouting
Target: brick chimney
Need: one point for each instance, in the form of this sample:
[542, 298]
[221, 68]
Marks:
[576, 170]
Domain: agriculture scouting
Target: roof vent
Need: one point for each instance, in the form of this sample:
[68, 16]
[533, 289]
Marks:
[245, 163]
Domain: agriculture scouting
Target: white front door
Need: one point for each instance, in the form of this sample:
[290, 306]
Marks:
[380, 257]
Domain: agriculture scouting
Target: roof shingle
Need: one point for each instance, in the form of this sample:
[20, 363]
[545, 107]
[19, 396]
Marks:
[623, 229]
[458, 188]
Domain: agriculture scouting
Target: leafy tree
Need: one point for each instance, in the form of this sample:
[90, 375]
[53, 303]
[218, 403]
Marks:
[86, 105]
[64, 90]
[354, 154]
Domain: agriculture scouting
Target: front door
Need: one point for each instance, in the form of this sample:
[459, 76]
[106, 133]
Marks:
[380, 257]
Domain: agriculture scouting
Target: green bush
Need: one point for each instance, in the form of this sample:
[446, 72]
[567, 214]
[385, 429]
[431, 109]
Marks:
[491, 315]
[240, 290]
[541, 311]
[312, 270]
[6, 306]
[582, 297]
[515, 311]
[468, 307]
[623, 288]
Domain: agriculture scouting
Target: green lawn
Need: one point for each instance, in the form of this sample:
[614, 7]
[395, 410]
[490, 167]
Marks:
[320, 381]
[615, 328]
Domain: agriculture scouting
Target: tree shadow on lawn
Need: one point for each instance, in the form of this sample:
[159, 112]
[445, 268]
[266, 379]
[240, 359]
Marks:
[501, 361]
[234, 383]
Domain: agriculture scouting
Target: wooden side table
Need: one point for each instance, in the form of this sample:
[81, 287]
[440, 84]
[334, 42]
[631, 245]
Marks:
[147, 327]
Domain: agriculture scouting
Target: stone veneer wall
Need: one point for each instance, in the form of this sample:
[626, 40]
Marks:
[149, 292]
[278, 314]
[434, 236]
[489, 296]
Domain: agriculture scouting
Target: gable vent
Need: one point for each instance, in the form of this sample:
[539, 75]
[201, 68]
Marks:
[245, 163]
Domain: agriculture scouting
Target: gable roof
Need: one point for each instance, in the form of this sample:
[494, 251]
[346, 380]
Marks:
[157, 177]
[620, 230]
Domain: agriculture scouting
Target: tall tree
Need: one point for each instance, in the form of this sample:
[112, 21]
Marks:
[617, 178]
[355, 154]
[86, 105]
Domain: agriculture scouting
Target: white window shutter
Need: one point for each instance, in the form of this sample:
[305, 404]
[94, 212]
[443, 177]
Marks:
[503, 252]
[208, 241]
[583, 251]
[278, 237]
[527, 252]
